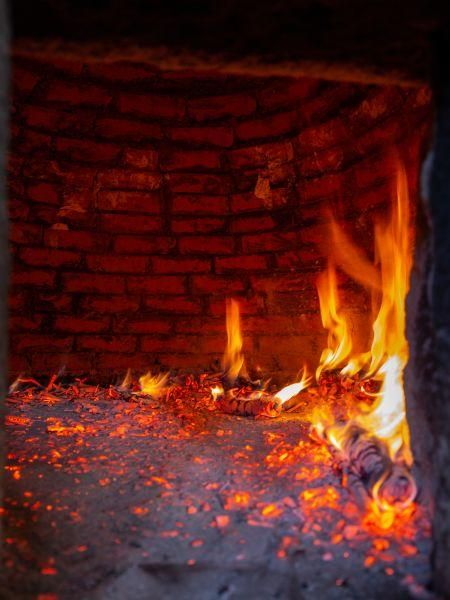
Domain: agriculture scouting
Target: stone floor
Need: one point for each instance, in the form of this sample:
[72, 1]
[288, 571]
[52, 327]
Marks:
[108, 499]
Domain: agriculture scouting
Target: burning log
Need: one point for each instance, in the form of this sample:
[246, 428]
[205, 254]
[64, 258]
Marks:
[370, 471]
[256, 404]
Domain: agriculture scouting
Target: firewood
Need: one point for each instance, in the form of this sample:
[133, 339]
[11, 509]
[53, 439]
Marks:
[366, 462]
[250, 405]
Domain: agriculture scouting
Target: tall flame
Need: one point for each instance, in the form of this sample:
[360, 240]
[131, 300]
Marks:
[233, 359]
[339, 340]
[389, 350]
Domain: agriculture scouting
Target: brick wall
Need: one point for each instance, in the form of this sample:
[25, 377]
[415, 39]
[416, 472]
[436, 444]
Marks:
[139, 200]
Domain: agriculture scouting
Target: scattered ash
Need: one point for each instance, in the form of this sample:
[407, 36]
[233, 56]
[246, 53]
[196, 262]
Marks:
[109, 492]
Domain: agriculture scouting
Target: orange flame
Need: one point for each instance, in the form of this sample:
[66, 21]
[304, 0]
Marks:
[293, 389]
[233, 359]
[153, 385]
[339, 340]
[389, 350]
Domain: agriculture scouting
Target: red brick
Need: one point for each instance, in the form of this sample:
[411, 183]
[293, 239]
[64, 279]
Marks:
[77, 363]
[17, 300]
[200, 204]
[279, 324]
[70, 324]
[53, 302]
[216, 107]
[32, 140]
[176, 304]
[41, 342]
[206, 245]
[295, 282]
[211, 284]
[23, 79]
[294, 346]
[269, 242]
[118, 71]
[47, 193]
[33, 277]
[247, 306]
[191, 183]
[198, 225]
[141, 158]
[128, 130]
[21, 323]
[44, 213]
[138, 223]
[49, 257]
[131, 244]
[287, 92]
[179, 160]
[25, 233]
[206, 325]
[248, 202]
[315, 234]
[87, 150]
[41, 117]
[262, 155]
[169, 344]
[77, 240]
[216, 344]
[159, 284]
[249, 224]
[110, 343]
[142, 202]
[296, 259]
[110, 304]
[72, 174]
[311, 190]
[124, 179]
[63, 65]
[117, 264]
[211, 136]
[254, 262]
[144, 325]
[92, 283]
[181, 265]
[111, 362]
[72, 93]
[267, 127]
[18, 210]
[152, 105]
[322, 136]
[322, 162]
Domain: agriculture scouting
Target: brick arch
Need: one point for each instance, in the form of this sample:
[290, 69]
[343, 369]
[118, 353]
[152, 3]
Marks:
[139, 199]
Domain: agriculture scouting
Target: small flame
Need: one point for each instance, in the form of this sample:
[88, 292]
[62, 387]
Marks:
[127, 381]
[339, 340]
[153, 384]
[233, 360]
[293, 389]
[216, 391]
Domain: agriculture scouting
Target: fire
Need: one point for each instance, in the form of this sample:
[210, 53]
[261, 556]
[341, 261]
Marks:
[385, 421]
[389, 351]
[233, 359]
[293, 389]
[339, 339]
[153, 385]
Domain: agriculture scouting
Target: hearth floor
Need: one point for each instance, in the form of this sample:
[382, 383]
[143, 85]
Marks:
[116, 500]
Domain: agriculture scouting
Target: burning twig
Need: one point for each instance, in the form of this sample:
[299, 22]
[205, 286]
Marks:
[370, 471]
